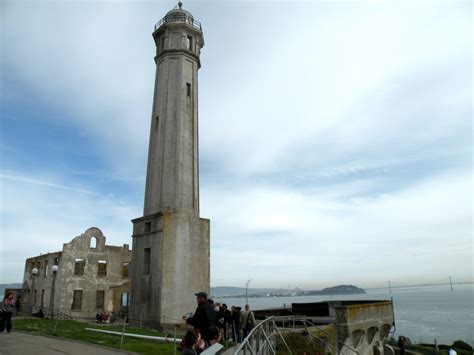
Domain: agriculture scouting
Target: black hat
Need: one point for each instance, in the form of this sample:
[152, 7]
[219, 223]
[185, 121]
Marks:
[201, 294]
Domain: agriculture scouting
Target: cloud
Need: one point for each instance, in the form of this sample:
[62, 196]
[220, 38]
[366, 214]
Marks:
[388, 236]
[38, 216]
[335, 138]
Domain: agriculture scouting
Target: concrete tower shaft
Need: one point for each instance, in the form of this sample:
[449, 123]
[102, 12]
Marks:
[171, 242]
[174, 123]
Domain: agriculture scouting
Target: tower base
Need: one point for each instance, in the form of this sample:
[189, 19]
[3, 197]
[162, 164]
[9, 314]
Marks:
[170, 262]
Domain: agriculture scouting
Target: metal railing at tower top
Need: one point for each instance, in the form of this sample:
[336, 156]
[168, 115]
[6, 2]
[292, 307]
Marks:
[179, 17]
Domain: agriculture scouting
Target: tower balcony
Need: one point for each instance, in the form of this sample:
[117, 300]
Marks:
[180, 16]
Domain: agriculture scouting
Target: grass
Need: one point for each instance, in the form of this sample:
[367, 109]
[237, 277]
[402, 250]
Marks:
[300, 343]
[77, 331]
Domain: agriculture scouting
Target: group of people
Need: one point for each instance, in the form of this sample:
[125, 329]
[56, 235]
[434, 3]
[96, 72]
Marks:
[212, 321]
[103, 317]
[7, 307]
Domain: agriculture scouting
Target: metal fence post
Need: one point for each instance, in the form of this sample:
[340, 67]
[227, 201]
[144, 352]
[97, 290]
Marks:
[174, 342]
[123, 331]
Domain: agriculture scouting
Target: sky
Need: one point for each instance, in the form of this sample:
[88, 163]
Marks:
[335, 137]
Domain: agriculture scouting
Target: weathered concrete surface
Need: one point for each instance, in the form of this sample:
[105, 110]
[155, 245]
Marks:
[24, 343]
[171, 232]
[89, 246]
[363, 327]
[173, 167]
[179, 267]
[31, 300]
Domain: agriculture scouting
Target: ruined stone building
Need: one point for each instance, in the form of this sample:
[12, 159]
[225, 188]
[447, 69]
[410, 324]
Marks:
[91, 277]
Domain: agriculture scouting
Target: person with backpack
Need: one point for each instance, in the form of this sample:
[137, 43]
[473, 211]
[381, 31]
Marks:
[247, 321]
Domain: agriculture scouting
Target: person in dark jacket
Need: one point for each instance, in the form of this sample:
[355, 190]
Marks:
[236, 324]
[204, 316]
[226, 319]
[401, 345]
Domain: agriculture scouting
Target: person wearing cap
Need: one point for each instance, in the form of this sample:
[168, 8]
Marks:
[204, 316]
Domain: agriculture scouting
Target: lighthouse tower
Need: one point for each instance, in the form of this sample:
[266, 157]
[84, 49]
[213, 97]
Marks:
[170, 260]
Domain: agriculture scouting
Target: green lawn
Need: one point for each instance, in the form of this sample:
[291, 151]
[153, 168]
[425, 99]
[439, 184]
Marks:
[77, 330]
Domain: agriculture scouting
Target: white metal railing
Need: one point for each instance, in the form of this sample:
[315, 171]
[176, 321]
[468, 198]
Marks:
[262, 339]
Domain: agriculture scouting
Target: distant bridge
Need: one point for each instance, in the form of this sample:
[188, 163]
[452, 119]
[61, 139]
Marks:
[390, 286]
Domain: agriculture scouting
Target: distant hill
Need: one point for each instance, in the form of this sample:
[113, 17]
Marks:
[229, 291]
[337, 290]
[221, 291]
[3, 287]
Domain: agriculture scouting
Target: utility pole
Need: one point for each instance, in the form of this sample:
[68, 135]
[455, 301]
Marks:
[246, 292]
[451, 283]
[54, 269]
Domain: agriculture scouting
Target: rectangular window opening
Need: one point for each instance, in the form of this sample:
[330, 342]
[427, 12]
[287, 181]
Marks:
[124, 302]
[146, 261]
[124, 299]
[79, 267]
[102, 268]
[147, 226]
[188, 89]
[77, 300]
[125, 270]
[99, 301]
[189, 42]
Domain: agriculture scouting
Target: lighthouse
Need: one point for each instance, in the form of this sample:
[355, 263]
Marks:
[171, 243]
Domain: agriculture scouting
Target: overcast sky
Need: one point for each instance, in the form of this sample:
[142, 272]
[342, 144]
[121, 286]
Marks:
[335, 137]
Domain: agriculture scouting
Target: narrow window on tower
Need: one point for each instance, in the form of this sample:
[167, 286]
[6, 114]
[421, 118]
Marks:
[188, 89]
[146, 261]
[157, 121]
[189, 43]
[147, 226]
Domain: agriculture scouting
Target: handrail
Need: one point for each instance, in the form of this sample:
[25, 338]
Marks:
[327, 333]
[179, 18]
[267, 341]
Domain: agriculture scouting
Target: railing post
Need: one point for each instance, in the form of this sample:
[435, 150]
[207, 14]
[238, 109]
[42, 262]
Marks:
[174, 342]
[123, 331]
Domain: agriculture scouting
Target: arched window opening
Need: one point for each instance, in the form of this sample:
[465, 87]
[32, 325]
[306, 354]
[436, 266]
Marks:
[93, 243]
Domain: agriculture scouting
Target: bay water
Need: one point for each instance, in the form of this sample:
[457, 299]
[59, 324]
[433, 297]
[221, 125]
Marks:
[423, 314]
